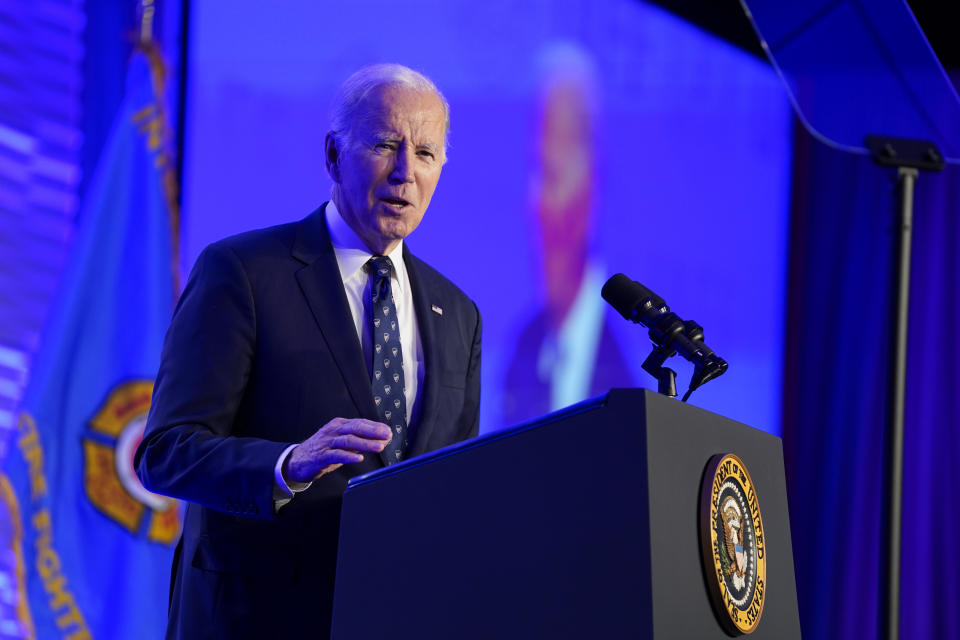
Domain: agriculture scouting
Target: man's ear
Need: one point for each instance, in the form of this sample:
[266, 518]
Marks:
[331, 155]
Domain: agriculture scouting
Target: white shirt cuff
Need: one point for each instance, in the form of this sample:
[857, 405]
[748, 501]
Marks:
[282, 491]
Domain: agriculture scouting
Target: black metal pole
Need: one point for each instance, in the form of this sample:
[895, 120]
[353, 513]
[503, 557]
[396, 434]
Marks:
[183, 67]
[903, 229]
[908, 157]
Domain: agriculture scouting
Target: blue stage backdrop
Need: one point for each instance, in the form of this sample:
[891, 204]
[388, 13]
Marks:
[588, 138]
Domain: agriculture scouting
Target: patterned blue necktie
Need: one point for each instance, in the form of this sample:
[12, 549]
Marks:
[387, 377]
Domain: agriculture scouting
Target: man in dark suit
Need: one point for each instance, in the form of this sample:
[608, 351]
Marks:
[300, 356]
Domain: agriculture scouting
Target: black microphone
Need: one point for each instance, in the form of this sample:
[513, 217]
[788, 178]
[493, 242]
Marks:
[638, 304]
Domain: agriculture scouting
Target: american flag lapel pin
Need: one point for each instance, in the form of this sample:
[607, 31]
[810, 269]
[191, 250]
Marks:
[437, 310]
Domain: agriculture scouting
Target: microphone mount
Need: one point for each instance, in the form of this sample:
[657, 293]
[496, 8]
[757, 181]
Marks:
[670, 335]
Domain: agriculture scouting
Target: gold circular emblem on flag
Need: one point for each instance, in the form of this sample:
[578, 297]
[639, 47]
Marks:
[731, 540]
[109, 479]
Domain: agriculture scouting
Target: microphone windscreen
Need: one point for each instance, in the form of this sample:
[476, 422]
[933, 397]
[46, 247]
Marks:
[624, 294]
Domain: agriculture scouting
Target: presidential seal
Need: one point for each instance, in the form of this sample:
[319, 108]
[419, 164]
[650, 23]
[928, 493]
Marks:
[731, 540]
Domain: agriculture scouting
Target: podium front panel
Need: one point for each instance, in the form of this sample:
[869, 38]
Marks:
[681, 439]
[545, 531]
[535, 532]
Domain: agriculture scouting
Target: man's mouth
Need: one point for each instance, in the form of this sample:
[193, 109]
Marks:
[396, 203]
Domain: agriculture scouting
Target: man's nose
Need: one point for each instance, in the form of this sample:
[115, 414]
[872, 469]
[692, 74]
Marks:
[403, 165]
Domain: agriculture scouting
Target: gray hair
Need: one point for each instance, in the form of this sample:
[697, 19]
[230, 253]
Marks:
[362, 82]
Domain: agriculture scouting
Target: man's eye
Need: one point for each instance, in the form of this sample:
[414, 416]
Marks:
[384, 145]
[423, 153]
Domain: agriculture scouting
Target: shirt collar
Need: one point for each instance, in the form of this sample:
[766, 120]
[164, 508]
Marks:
[352, 253]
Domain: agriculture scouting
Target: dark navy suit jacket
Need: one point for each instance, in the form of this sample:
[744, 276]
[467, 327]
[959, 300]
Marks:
[261, 352]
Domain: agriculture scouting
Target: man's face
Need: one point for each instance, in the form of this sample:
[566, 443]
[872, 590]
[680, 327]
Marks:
[386, 174]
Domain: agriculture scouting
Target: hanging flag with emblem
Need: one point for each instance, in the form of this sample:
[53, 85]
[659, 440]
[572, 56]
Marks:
[92, 547]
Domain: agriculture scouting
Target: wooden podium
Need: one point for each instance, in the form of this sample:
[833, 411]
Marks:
[582, 524]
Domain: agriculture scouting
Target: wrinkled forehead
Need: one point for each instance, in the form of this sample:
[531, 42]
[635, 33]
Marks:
[401, 111]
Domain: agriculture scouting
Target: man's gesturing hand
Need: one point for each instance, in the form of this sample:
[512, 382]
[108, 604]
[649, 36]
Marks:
[340, 441]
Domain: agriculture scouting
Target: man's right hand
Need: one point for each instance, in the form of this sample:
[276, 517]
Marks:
[341, 441]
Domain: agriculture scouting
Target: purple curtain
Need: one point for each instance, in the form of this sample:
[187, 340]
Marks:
[930, 602]
[835, 394]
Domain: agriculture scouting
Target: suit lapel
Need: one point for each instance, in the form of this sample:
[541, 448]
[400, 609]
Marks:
[431, 328]
[322, 286]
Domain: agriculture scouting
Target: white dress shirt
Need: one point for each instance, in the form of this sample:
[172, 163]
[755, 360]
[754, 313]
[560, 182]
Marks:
[569, 358]
[352, 256]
